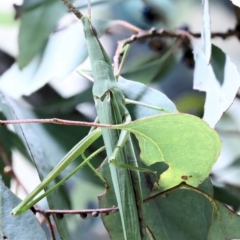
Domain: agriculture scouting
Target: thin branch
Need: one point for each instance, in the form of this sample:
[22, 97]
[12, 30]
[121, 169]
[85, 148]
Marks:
[97, 211]
[223, 35]
[50, 227]
[55, 121]
[142, 34]
[85, 211]
[163, 193]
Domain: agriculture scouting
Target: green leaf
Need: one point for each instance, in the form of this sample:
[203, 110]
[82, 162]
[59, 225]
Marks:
[228, 194]
[191, 103]
[38, 72]
[41, 155]
[139, 92]
[18, 144]
[28, 4]
[195, 211]
[112, 221]
[206, 31]
[219, 97]
[191, 210]
[35, 28]
[198, 214]
[145, 68]
[184, 142]
[9, 141]
[218, 62]
[21, 227]
[5, 152]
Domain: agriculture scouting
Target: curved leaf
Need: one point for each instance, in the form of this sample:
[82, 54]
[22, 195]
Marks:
[184, 142]
[21, 227]
[35, 28]
[139, 92]
[199, 216]
[220, 93]
[191, 103]
[146, 70]
[228, 194]
[39, 152]
[50, 65]
[28, 4]
[218, 62]
[6, 146]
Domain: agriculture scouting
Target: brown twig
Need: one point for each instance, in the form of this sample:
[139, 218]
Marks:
[85, 211]
[142, 34]
[163, 193]
[60, 214]
[47, 217]
[55, 121]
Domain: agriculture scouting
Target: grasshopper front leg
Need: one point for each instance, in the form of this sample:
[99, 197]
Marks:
[77, 150]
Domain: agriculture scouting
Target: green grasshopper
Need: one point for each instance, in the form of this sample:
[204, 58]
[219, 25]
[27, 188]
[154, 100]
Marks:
[110, 105]
[111, 109]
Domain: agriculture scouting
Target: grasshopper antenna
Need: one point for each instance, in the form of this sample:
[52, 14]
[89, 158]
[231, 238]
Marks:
[73, 9]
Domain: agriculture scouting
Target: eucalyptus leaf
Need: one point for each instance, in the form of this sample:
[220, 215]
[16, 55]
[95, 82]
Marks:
[49, 65]
[184, 142]
[218, 62]
[21, 227]
[146, 70]
[180, 205]
[219, 94]
[228, 194]
[191, 103]
[6, 146]
[28, 4]
[212, 220]
[9, 141]
[140, 92]
[39, 155]
[35, 28]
